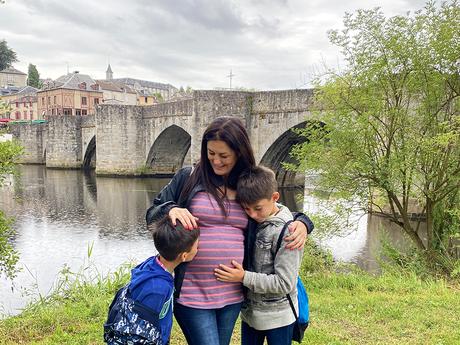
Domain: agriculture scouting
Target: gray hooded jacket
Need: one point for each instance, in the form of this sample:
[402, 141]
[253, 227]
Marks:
[271, 277]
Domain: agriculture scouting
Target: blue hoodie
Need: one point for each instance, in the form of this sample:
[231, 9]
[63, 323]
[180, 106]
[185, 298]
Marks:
[153, 286]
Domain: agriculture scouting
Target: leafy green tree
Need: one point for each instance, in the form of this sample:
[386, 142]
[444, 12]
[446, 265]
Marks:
[7, 55]
[158, 97]
[33, 78]
[4, 109]
[387, 130]
[9, 152]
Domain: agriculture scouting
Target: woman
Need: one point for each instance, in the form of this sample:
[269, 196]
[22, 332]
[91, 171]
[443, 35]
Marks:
[205, 308]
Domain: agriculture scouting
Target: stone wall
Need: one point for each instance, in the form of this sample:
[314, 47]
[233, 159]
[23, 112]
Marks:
[63, 148]
[120, 144]
[33, 138]
[209, 104]
[177, 108]
[274, 113]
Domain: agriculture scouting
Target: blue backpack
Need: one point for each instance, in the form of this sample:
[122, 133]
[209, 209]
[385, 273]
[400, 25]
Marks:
[303, 319]
[130, 322]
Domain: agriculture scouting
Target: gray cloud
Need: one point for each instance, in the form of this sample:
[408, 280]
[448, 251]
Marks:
[268, 44]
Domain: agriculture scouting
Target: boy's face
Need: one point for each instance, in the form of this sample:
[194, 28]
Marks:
[263, 208]
[191, 254]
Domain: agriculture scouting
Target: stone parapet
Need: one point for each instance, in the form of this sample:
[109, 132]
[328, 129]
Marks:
[176, 108]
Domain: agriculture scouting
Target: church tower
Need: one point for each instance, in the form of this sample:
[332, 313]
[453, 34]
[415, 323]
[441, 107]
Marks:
[109, 73]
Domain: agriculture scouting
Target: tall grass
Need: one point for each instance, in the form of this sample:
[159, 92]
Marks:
[347, 306]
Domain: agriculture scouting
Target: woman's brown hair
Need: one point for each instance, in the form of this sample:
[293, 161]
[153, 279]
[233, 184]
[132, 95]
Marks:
[231, 131]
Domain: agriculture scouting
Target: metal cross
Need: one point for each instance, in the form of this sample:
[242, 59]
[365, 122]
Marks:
[231, 75]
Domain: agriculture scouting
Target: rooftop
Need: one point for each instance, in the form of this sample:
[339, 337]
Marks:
[111, 86]
[143, 83]
[12, 70]
[74, 81]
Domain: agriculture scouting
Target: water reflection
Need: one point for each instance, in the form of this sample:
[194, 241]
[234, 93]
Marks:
[59, 213]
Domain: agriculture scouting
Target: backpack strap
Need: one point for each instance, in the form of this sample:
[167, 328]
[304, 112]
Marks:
[278, 246]
[292, 307]
[281, 236]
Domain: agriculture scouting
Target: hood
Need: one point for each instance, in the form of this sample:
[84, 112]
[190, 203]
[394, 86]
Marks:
[147, 270]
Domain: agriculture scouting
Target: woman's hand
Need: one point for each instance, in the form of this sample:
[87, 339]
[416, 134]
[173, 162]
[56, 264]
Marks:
[229, 274]
[298, 235]
[184, 216]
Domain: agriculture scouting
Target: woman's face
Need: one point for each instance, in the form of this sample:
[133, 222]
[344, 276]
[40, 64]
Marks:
[221, 157]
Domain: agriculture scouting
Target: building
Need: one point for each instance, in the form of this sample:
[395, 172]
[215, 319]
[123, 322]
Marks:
[148, 92]
[114, 93]
[71, 94]
[12, 77]
[109, 73]
[22, 104]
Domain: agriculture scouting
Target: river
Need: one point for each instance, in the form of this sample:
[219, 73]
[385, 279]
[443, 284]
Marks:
[59, 214]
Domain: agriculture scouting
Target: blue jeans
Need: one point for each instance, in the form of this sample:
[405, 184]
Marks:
[275, 336]
[207, 326]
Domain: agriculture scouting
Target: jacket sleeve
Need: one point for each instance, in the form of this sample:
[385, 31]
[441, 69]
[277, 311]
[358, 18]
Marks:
[284, 280]
[168, 197]
[302, 217]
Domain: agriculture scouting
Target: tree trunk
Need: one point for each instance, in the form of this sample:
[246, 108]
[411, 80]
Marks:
[429, 224]
[405, 224]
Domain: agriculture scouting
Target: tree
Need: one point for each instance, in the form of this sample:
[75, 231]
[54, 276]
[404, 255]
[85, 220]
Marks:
[158, 97]
[33, 78]
[5, 108]
[9, 151]
[387, 132]
[7, 56]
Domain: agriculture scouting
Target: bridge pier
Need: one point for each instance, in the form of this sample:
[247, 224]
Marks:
[63, 146]
[120, 140]
[33, 138]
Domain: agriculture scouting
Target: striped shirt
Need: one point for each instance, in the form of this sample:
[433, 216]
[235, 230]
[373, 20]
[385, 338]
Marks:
[221, 241]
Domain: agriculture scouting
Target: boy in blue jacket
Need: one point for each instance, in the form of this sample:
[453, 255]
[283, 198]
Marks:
[141, 312]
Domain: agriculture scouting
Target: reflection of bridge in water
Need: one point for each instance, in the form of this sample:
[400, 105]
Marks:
[159, 139]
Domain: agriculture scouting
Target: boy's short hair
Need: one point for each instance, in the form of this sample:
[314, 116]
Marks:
[255, 184]
[170, 240]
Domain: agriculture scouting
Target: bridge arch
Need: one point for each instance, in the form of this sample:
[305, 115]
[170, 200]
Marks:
[278, 153]
[169, 151]
[89, 161]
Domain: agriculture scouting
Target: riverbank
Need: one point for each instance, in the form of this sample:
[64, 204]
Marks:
[348, 306]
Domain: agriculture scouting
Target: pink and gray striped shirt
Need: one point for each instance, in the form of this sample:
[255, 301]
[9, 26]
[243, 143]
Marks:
[221, 241]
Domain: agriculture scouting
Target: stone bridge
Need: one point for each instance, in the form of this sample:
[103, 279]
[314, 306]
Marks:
[159, 139]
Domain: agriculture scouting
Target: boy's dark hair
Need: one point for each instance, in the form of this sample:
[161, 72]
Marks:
[256, 184]
[172, 240]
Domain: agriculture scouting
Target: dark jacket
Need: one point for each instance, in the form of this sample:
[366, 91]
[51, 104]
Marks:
[168, 198]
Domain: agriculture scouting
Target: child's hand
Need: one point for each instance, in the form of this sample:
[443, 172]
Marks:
[228, 274]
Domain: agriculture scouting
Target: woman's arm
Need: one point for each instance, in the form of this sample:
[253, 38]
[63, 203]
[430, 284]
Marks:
[299, 229]
[168, 197]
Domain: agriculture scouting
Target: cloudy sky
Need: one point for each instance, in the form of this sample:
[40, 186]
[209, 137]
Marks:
[268, 44]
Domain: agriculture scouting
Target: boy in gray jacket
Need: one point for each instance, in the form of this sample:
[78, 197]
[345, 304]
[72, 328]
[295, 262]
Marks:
[271, 275]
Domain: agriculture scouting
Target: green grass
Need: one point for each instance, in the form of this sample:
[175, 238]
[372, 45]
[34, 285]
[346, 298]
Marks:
[349, 307]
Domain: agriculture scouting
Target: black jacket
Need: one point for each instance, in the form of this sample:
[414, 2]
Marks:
[168, 198]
